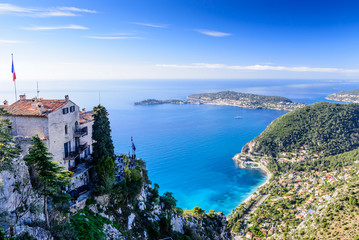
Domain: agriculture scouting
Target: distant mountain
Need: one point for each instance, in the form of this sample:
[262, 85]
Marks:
[345, 96]
[330, 128]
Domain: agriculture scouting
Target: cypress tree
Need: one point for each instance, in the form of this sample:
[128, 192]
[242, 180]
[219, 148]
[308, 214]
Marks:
[101, 134]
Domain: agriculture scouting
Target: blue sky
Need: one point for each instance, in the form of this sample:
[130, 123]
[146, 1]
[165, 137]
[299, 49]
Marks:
[179, 39]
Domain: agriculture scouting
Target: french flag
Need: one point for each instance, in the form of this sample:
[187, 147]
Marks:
[13, 71]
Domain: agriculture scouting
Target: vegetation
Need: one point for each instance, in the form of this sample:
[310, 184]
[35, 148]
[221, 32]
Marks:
[89, 225]
[8, 149]
[103, 150]
[101, 134]
[47, 177]
[329, 128]
[330, 163]
[105, 174]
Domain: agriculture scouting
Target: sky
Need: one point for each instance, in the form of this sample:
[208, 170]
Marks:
[179, 39]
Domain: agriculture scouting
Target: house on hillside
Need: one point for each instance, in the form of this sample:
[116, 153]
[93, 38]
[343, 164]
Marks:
[66, 131]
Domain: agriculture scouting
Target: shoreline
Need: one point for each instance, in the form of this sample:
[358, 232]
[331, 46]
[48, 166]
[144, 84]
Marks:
[261, 167]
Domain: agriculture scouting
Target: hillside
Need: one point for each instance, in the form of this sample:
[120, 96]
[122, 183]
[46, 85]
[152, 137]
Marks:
[327, 128]
[345, 96]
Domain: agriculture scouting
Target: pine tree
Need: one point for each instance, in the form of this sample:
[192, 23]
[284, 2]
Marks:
[8, 150]
[101, 134]
[50, 176]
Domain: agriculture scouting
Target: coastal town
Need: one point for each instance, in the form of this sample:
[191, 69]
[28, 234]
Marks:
[351, 96]
[286, 200]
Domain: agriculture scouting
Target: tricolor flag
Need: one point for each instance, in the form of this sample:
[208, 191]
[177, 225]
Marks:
[13, 71]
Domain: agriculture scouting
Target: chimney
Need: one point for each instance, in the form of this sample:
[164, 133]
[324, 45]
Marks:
[6, 103]
[67, 98]
[40, 106]
[23, 97]
[84, 109]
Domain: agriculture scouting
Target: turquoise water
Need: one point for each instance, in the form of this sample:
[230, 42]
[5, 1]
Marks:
[188, 148]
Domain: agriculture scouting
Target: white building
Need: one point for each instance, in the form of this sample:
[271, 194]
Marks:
[66, 131]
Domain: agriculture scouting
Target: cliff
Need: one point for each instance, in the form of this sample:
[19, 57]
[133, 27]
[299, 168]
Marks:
[138, 212]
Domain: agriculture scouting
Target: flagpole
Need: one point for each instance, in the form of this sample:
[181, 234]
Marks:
[12, 57]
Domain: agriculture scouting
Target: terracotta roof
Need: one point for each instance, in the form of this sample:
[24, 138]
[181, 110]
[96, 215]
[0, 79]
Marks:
[31, 107]
[86, 117]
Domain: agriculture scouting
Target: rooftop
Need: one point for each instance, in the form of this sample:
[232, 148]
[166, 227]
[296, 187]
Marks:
[35, 107]
[86, 117]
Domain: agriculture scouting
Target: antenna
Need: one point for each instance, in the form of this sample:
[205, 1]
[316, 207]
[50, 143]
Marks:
[37, 89]
[99, 98]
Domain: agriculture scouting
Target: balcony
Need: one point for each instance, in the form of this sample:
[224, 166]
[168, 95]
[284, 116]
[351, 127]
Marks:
[81, 132]
[72, 155]
[83, 147]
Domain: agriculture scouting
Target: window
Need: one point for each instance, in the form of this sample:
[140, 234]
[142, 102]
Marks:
[66, 129]
[84, 131]
[65, 110]
[72, 109]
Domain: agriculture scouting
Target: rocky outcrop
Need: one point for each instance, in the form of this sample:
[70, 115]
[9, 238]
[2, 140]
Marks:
[250, 147]
[16, 193]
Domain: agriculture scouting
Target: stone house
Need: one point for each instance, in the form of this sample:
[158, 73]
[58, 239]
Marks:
[66, 131]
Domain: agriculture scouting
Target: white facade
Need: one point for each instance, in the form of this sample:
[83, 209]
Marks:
[57, 123]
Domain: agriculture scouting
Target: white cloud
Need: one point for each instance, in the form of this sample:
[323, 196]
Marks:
[151, 25]
[213, 33]
[7, 8]
[112, 37]
[258, 67]
[75, 9]
[6, 41]
[76, 27]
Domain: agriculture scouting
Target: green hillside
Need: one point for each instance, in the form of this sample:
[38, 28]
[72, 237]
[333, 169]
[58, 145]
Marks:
[330, 128]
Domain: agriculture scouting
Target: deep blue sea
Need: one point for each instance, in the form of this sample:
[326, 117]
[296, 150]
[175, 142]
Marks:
[188, 149]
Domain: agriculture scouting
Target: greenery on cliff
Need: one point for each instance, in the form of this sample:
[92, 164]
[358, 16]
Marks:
[329, 128]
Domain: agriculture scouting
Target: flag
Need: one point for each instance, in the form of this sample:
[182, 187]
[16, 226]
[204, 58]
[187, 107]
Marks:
[133, 147]
[131, 139]
[13, 71]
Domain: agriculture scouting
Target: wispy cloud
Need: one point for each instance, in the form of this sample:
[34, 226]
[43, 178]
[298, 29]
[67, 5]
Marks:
[75, 9]
[213, 33]
[150, 25]
[7, 41]
[258, 67]
[113, 37]
[72, 26]
[7, 8]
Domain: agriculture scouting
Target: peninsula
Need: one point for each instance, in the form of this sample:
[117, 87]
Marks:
[345, 96]
[231, 98]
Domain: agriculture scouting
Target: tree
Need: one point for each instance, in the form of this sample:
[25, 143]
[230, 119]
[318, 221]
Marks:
[169, 201]
[105, 170]
[8, 149]
[101, 134]
[50, 176]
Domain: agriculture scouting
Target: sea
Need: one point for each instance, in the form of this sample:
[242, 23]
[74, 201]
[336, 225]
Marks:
[188, 149]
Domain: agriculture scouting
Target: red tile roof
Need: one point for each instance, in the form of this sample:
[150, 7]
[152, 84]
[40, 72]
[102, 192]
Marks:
[30, 107]
[86, 117]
